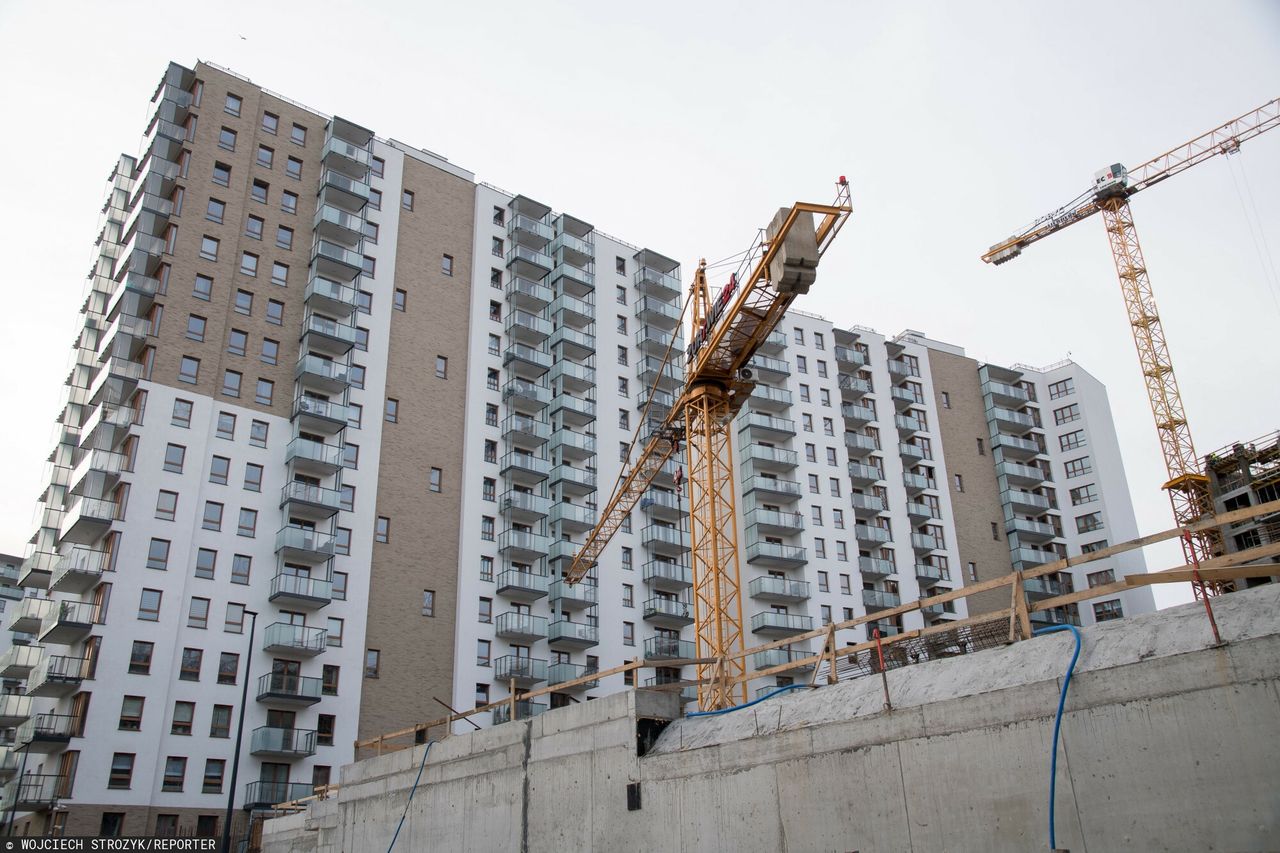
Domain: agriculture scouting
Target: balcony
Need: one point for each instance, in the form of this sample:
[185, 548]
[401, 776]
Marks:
[1021, 475]
[566, 596]
[1013, 447]
[342, 191]
[331, 297]
[318, 415]
[782, 657]
[919, 511]
[323, 374]
[1011, 422]
[878, 599]
[905, 398]
[766, 399]
[14, 709]
[930, 575]
[34, 792]
[1054, 616]
[525, 709]
[1044, 587]
[87, 521]
[267, 795]
[524, 671]
[523, 586]
[859, 445]
[309, 501]
[335, 261]
[137, 293]
[302, 591]
[524, 468]
[527, 328]
[575, 635]
[917, 483]
[574, 377]
[345, 157]
[667, 506]
[667, 577]
[328, 336]
[1005, 394]
[337, 225]
[572, 518]
[46, 732]
[522, 546]
[654, 341]
[658, 313]
[771, 488]
[923, 542]
[124, 338]
[673, 684]
[98, 473]
[294, 640]
[850, 356]
[529, 263]
[524, 507]
[528, 294]
[142, 254]
[105, 427]
[573, 280]
[876, 567]
[762, 427]
[69, 622]
[57, 675]
[115, 381]
[29, 614]
[1027, 502]
[770, 369]
[668, 613]
[870, 535]
[527, 231]
[571, 481]
[18, 661]
[663, 285]
[527, 361]
[1024, 558]
[908, 425]
[274, 742]
[77, 571]
[775, 554]
[668, 541]
[572, 344]
[520, 626]
[313, 457]
[866, 506]
[525, 432]
[768, 521]
[780, 624]
[861, 474]
[856, 415]
[528, 396]
[669, 648]
[853, 387]
[781, 590]
[559, 673]
[570, 311]
[911, 454]
[650, 372]
[573, 411]
[764, 458]
[1027, 530]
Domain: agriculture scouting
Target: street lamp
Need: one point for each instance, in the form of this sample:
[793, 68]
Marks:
[225, 847]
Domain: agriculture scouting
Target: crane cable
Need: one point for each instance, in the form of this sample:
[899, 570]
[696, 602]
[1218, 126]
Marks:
[1257, 233]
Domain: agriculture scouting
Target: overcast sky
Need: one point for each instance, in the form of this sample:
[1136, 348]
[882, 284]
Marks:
[682, 126]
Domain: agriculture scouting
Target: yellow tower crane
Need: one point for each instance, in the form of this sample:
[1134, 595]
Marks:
[726, 331]
[1187, 485]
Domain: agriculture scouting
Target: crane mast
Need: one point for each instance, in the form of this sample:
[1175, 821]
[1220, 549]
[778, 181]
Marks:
[726, 332]
[1187, 485]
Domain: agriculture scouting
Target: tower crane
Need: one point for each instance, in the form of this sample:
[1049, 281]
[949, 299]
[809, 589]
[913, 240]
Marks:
[1188, 487]
[726, 331]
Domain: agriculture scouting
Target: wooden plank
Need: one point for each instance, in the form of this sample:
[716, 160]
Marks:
[1220, 574]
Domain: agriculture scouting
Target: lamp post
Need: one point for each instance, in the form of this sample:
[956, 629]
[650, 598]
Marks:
[225, 847]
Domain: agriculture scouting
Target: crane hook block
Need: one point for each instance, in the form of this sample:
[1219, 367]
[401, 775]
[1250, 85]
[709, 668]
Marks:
[795, 264]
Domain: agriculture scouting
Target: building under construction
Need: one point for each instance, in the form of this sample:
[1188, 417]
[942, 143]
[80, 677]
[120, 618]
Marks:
[1242, 475]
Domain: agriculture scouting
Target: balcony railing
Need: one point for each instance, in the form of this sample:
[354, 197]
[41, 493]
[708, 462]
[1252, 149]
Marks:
[524, 670]
[573, 633]
[669, 648]
[288, 742]
[879, 599]
[789, 623]
[294, 639]
[289, 688]
[778, 589]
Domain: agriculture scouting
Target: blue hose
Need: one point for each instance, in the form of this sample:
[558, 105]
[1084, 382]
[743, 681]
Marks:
[412, 790]
[1057, 725]
[745, 705]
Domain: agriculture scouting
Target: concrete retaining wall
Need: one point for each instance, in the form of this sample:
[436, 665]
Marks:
[1167, 745]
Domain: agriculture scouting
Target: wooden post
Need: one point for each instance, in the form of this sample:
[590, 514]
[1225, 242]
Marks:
[512, 701]
[1015, 594]
[1020, 607]
[832, 677]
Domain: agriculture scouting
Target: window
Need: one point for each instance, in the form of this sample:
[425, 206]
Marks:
[264, 392]
[482, 695]
[491, 380]
[824, 396]
[1084, 494]
[158, 554]
[183, 715]
[347, 498]
[825, 611]
[489, 489]
[372, 663]
[1089, 523]
[1105, 610]
[220, 721]
[195, 327]
[355, 374]
[486, 528]
[140, 657]
[166, 505]
[298, 135]
[324, 729]
[190, 668]
[628, 633]
[342, 540]
[131, 714]
[621, 295]
[486, 568]
[233, 104]
[121, 770]
[1072, 440]
[198, 613]
[391, 412]
[329, 675]
[802, 364]
[483, 652]
[798, 334]
[400, 299]
[228, 667]
[435, 480]
[248, 524]
[959, 481]
[375, 199]
[189, 370]
[823, 584]
[237, 342]
[834, 487]
[442, 367]
[820, 548]
[289, 202]
[804, 393]
[333, 631]
[382, 529]
[1101, 578]
[226, 425]
[293, 168]
[212, 519]
[222, 174]
[270, 123]
[350, 455]
[428, 602]
[406, 199]
[837, 518]
[211, 783]
[1061, 389]
[231, 380]
[446, 261]
[831, 456]
[206, 561]
[1066, 414]
[215, 211]
[486, 611]
[259, 191]
[284, 238]
[174, 455]
[1078, 467]
[1090, 547]
[378, 167]
[253, 229]
[270, 351]
[623, 387]
[175, 771]
[362, 339]
[371, 232]
[275, 312]
[219, 469]
[241, 565]
[203, 287]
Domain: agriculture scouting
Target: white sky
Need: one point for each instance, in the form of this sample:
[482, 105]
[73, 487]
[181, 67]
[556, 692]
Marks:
[683, 126]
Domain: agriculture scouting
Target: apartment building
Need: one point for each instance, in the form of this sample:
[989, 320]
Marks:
[338, 418]
[1245, 474]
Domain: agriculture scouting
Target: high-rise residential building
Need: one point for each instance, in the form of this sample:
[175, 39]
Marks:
[339, 416]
